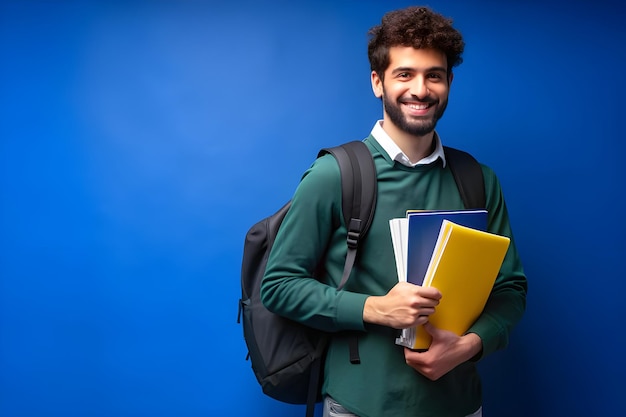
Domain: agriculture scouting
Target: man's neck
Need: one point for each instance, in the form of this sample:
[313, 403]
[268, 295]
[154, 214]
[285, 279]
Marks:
[414, 147]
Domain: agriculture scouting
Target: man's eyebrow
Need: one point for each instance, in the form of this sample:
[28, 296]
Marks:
[411, 69]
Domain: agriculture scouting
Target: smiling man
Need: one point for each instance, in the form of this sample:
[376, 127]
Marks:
[412, 54]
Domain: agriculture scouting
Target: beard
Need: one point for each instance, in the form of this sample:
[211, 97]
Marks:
[416, 126]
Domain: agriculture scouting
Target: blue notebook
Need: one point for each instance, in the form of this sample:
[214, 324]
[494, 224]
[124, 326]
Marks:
[423, 230]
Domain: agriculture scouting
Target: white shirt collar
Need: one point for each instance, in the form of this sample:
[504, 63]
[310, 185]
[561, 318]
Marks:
[396, 154]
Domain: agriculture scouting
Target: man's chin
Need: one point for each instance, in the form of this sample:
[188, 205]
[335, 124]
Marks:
[419, 129]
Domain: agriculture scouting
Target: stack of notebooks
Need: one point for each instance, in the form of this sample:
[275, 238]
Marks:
[451, 251]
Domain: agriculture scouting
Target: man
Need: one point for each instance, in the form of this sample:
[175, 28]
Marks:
[411, 54]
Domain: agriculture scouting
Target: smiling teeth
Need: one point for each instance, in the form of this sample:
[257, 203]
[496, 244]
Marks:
[418, 106]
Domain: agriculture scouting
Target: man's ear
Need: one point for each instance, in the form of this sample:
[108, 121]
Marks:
[377, 84]
[450, 78]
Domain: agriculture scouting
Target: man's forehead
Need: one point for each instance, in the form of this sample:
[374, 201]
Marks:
[421, 59]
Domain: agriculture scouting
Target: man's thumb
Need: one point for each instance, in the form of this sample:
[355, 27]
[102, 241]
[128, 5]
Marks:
[430, 328]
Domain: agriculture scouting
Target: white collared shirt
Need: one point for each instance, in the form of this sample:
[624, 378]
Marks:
[396, 154]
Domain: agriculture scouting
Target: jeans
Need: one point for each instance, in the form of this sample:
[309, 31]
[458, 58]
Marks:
[333, 409]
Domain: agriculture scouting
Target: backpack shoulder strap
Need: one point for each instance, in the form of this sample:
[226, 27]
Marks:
[359, 191]
[468, 176]
[358, 201]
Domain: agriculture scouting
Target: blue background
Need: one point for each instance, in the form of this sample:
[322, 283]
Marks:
[141, 139]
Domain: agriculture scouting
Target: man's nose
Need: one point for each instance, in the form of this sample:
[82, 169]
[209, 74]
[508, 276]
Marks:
[419, 88]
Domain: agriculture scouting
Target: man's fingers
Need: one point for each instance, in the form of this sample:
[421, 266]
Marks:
[429, 292]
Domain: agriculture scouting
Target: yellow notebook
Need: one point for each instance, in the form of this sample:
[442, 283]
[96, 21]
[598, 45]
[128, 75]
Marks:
[464, 267]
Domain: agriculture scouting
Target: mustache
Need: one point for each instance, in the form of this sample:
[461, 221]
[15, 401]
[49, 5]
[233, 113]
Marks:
[413, 99]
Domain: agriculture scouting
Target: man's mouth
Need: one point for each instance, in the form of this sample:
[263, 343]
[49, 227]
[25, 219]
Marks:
[418, 108]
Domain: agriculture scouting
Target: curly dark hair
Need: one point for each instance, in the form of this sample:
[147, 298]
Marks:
[418, 27]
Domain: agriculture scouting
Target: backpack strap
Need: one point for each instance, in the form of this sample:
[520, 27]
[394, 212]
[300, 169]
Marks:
[358, 201]
[359, 191]
[468, 176]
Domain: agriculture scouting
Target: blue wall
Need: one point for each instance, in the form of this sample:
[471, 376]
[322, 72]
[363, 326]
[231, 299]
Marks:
[140, 140]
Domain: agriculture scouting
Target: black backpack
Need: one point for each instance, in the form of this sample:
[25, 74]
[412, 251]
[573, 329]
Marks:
[287, 357]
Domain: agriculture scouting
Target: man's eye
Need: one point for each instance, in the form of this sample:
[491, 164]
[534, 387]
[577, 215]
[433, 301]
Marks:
[435, 76]
[404, 75]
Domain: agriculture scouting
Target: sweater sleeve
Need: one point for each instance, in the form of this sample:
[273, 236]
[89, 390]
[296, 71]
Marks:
[507, 301]
[303, 243]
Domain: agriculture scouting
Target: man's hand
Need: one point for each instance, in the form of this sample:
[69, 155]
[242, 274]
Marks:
[446, 352]
[404, 306]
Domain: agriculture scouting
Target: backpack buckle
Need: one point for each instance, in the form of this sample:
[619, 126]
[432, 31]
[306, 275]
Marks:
[354, 232]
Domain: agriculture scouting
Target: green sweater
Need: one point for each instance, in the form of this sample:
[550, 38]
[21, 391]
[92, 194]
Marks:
[314, 231]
